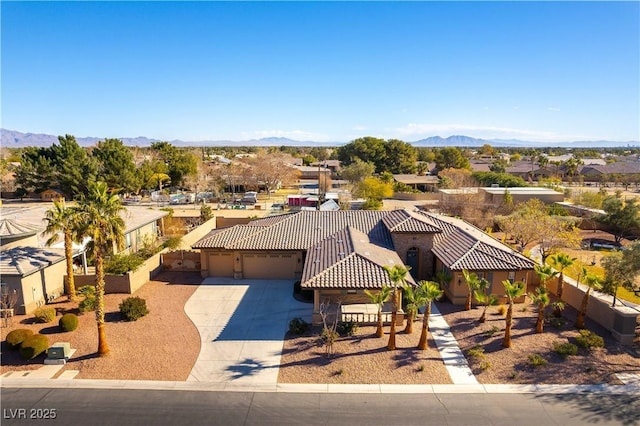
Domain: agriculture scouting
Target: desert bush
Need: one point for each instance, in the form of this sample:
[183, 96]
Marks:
[120, 264]
[565, 349]
[172, 243]
[476, 352]
[68, 322]
[17, 336]
[536, 360]
[347, 328]
[33, 346]
[89, 301]
[44, 314]
[588, 340]
[502, 310]
[298, 326]
[485, 365]
[492, 331]
[557, 322]
[133, 308]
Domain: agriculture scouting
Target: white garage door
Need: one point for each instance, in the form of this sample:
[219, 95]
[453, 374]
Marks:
[269, 266]
[221, 264]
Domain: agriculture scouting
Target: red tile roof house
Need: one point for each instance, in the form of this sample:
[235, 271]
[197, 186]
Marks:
[339, 254]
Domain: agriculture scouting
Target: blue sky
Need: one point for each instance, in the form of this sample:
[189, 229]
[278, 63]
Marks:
[323, 71]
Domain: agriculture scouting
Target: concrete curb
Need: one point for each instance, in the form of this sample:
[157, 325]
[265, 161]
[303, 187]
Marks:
[319, 388]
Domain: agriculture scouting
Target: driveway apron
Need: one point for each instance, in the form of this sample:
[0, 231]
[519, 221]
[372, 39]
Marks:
[242, 324]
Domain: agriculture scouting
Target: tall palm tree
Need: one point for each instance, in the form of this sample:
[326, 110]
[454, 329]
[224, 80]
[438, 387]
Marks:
[561, 261]
[484, 298]
[379, 298]
[397, 276]
[61, 218]
[512, 291]
[472, 280]
[592, 282]
[99, 212]
[414, 301]
[541, 298]
[428, 292]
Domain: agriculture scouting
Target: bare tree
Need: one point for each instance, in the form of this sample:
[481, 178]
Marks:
[8, 301]
[330, 318]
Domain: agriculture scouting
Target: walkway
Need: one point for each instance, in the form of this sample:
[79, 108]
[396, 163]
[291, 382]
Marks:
[453, 358]
[242, 324]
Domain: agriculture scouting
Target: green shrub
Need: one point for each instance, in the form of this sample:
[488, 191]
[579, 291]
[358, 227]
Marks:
[588, 340]
[536, 360]
[502, 310]
[476, 352]
[44, 314]
[68, 322]
[33, 346]
[17, 336]
[557, 322]
[485, 365]
[172, 243]
[89, 302]
[298, 326]
[133, 308]
[347, 328]
[565, 349]
[492, 331]
[120, 264]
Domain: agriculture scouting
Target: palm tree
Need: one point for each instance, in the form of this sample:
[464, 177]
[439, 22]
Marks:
[484, 298]
[592, 282]
[472, 280]
[396, 275]
[541, 298]
[428, 291]
[379, 298]
[512, 291]
[412, 297]
[561, 261]
[545, 273]
[61, 218]
[99, 211]
[582, 274]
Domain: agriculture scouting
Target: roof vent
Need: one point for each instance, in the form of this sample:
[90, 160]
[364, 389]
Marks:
[339, 241]
[316, 261]
[341, 253]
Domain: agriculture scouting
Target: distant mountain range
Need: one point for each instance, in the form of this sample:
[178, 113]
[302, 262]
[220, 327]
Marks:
[15, 139]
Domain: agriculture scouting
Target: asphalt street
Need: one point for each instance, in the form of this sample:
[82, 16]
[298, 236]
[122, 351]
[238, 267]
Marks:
[36, 406]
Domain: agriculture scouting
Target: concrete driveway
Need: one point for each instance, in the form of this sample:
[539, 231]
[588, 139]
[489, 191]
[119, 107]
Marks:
[242, 324]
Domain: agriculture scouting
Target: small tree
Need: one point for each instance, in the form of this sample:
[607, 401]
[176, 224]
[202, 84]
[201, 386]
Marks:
[484, 298]
[512, 291]
[472, 280]
[379, 298]
[329, 326]
[545, 273]
[397, 276]
[413, 302]
[541, 298]
[592, 282]
[428, 292]
[561, 261]
[8, 300]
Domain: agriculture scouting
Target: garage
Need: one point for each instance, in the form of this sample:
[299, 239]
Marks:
[269, 266]
[220, 264]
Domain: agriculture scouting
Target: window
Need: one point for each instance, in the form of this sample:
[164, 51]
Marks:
[352, 291]
[512, 276]
[127, 238]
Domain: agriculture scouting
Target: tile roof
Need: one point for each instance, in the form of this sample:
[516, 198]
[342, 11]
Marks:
[347, 259]
[13, 228]
[403, 221]
[463, 246]
[298, 231]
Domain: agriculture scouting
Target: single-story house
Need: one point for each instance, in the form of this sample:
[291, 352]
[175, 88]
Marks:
[424, 183]
[339, 254]
[36, 271]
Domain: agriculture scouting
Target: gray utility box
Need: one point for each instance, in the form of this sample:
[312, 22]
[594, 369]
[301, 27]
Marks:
[59, 350]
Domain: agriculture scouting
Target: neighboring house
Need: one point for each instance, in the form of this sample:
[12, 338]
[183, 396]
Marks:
[496, 196]
[51, 195]
[37, 271]
[339, 254]
[426, 183]
[333, 165]
[628, 171]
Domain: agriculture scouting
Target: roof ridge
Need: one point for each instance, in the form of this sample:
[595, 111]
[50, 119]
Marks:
[259, 229]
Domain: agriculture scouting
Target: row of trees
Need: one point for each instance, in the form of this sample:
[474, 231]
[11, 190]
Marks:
[71, 169]
[97, 216]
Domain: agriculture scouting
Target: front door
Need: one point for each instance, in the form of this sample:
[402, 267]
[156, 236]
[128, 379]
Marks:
[412, 261]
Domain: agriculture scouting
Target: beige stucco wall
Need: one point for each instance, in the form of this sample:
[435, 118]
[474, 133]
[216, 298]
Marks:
[424, 243]
[34, 289]
[31, 241]
[457, 289]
